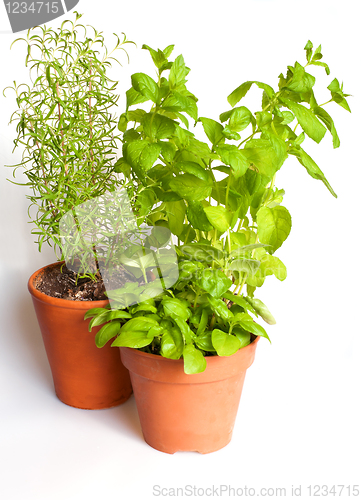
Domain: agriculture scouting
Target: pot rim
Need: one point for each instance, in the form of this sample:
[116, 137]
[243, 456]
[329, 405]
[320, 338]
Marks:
[158, 368]
[57, 302]
[158, 356]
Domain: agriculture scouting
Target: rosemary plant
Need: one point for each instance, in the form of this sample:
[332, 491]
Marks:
[66, 123]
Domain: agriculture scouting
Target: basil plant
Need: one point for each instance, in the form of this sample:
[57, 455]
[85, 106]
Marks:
[219, 200]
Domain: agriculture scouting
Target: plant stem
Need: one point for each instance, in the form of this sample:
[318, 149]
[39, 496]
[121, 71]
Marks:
[61, 130]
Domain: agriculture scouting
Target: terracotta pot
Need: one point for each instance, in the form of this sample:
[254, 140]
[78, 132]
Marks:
[84, 376]
[180, 412]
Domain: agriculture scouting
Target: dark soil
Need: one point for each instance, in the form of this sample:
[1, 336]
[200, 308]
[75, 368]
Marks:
[58, 281]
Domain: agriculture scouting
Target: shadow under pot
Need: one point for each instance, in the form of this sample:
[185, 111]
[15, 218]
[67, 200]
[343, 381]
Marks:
[84, 376]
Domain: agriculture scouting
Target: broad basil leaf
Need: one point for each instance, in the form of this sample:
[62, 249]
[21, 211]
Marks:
[175, 307]
[273, 265]
[194, 361]
[214, 281]
[267, 155]
[240, 119]
[274, 226]
[178, 72]
[242, 90]
[146, 86]
[135, 339]
[301, 81]
[176, 211]
[220, 308]
[312, 168]
[213, 130]
[224, 343]
[232, 156]
[197, 216]
[190, 187]
[262, 310]
[157, 126]
[308, 121]
[219, 217]
[249, 266]
[203, 253]
[204, 341]
[327, 120]
[134, 97]
[106, 333]
[172, 343]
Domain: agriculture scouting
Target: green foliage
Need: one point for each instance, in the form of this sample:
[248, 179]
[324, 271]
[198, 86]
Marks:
[66, 126]
[219, 200]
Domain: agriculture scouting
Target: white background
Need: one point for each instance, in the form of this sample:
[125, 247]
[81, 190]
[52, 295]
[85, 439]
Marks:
[299, 418]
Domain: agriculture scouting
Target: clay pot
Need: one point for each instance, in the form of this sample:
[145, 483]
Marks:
[84, 376]
[180, 412]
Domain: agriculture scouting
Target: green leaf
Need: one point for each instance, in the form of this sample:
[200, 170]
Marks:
[194, 361]
[190, 167]
[327, 120]
[308, 121]
[134, 338]
[157, 126]
[240, 301]
[190, 187]
[146, 86]
[267, 155]
[134, 97]
[168, 151]
[177, 102]
[249, 266]
[243, 336]
[176, 211]
[242, 90]
[308, 49]
[231, 155]
[172, 344]
[175, 307]
[312, 168]
[324, 65]
[220, 308]
[274, 226]
[214, 281]
[337, 95]
[157, 55]
[168, 50]
[288, 117]
[273, 265]
[245, 249]
[219, 217]
[224, 343]
[262, 310]
[178, 72]
[107, 332]
[98, 320]
[240, 119]
[95, 311]
[197, 216]
[255, 328]
[204, 341]
[300, 81]
[141, 155]
[230, 134]
[202, 252]
[184, 328]
[213, 130]
[141, 324]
